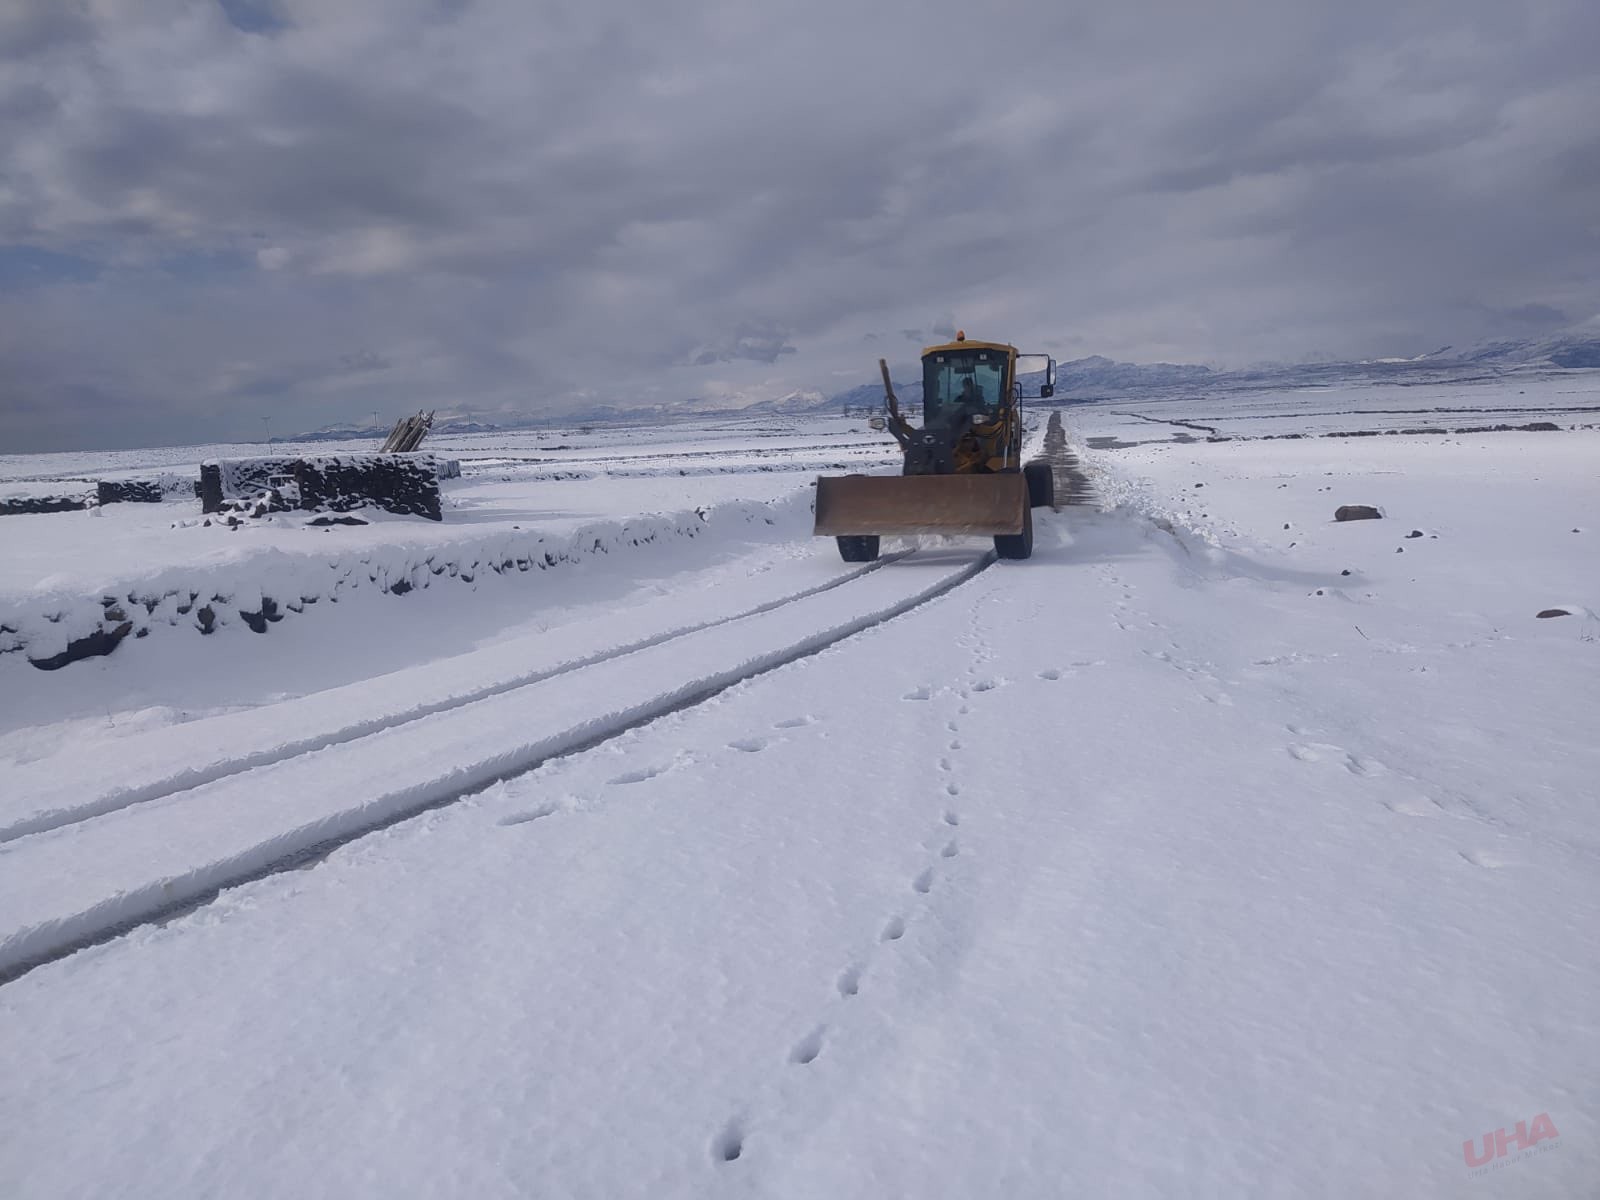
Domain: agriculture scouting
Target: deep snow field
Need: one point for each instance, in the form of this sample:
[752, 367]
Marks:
[637, 846]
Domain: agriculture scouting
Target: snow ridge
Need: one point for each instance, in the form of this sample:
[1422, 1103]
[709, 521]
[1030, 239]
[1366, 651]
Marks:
[45, 627]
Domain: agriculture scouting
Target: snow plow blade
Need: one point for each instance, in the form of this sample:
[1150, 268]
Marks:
[852, 505]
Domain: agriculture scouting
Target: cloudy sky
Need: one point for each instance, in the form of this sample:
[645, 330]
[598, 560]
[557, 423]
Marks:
[309, 210]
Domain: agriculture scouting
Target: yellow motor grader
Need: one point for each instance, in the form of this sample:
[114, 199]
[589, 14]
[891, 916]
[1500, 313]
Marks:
[963, 471]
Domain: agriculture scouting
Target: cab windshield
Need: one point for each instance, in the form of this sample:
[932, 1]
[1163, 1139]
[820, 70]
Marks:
[956, 383]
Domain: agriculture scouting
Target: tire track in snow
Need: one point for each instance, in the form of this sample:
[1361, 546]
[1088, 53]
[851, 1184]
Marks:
[166, 784]
[107, 879]
[1072, 486]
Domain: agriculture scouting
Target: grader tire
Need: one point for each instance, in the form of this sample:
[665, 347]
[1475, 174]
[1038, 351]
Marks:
[1017, 545]
[1041, 485]
[858, 548]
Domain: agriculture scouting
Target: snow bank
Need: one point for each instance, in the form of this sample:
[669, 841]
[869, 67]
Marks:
[50, 629]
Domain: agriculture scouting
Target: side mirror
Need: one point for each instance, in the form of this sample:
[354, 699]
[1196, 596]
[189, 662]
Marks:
[1039, 364]
[877, 423]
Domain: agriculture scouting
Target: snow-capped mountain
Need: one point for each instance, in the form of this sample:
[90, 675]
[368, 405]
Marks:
[1083, 379]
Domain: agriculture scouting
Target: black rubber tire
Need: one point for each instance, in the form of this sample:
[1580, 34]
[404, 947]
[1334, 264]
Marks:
[1017, 545]
[859, 548]
[1041, 485]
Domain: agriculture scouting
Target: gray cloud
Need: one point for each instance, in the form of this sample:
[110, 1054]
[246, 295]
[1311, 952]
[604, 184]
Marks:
[32, 28]
[512, 206]
[750, 342]
[251, 383]
[254, 16]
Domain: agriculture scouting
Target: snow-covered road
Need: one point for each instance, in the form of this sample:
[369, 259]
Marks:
[1218, 850]
[128, 853]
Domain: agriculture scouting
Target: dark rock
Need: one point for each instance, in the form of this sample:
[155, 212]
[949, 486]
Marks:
[207, 616]
[16, 506]
[1399, 549]
[1415, 533]
[1554, 612]
[1345, 572]
[323, 521]
[129, 491]
[1531, 427]
[101, 641]
[1357, 512]
[258, 620]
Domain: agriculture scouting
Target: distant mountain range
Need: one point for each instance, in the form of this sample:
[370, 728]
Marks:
[1079, 380]
[1568, 351]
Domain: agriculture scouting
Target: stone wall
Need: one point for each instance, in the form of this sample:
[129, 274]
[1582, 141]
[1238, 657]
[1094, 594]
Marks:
[52, 631]
[389, 481]
[407, 484]
[14, 506]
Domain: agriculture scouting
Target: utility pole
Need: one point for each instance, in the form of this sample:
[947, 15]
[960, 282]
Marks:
[266, 426]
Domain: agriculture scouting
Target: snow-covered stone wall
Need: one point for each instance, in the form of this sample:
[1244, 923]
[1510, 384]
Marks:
[397, 483]
[51, 630]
